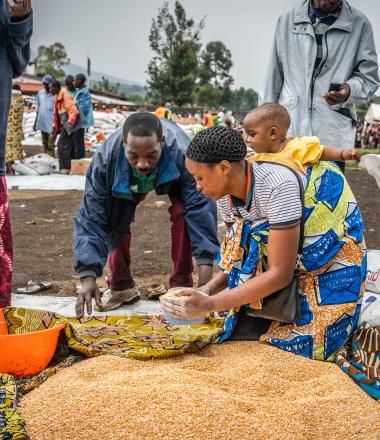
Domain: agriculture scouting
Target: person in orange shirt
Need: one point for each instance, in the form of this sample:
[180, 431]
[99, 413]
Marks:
[163, 112]
[208, 120]
[69, 123]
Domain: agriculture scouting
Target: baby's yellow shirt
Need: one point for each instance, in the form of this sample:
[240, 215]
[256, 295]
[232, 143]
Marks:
[296, 154]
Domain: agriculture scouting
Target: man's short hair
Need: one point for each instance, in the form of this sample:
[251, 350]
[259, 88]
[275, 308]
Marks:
[81, 77]
[142, 124]
[69, 79]
[56, 84]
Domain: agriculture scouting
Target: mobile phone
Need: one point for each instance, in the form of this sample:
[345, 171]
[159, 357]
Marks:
[335, 87]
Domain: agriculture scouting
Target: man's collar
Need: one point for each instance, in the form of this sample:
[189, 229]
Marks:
[344, 20]
[167, 172]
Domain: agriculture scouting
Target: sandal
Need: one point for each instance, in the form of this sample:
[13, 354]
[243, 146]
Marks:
[34, 287]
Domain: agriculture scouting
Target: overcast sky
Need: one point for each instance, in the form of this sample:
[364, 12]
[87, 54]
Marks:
[115, 33]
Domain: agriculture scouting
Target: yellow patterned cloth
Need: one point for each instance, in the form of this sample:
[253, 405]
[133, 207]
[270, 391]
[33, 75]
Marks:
[137, 336]
[12, 426]
[15, 135]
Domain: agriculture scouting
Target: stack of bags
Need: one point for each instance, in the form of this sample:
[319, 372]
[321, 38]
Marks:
[371, 300]
[104, 124]
[31, 137]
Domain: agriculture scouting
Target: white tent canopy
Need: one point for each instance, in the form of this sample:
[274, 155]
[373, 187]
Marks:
[373, 113]
[108, 100]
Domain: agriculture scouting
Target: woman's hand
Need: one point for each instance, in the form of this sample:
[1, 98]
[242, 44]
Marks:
[188, 303]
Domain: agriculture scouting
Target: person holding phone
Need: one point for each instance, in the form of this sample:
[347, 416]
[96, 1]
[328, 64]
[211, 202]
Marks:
[323, 59]
[16, 25]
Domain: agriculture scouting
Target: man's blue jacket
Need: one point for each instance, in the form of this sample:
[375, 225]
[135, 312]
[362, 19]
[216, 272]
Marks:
[108, 207]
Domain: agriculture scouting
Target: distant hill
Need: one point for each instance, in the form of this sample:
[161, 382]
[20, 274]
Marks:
[126, 86]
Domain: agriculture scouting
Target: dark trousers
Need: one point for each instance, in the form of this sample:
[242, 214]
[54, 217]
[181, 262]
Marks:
[70, 146]
[65, 147]
[79, 151]
[48, 142]
[119, 261]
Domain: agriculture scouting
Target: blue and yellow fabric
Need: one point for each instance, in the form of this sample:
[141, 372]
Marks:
[333, 267]
[360, 359]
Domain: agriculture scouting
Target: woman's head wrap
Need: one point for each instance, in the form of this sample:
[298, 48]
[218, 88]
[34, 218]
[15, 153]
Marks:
[215, 144]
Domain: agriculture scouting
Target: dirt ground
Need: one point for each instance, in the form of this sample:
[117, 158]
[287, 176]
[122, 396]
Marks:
[43, 225]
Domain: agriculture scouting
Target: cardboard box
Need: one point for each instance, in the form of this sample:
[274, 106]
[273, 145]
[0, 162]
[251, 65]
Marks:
[80, 166]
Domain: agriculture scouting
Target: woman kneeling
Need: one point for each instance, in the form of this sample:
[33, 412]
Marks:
[261, 203]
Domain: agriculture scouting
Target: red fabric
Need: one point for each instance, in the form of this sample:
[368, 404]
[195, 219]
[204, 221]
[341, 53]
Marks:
[120, 259]
[6, 246]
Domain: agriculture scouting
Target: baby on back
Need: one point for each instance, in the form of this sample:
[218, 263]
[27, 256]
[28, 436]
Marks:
[266, 128]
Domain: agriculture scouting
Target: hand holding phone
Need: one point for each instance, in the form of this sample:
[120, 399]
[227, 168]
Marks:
[335, 87]
[337, 94]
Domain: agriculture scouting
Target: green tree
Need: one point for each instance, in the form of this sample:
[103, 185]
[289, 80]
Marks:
[136, 99]
[105, 85]
[208, 96]
[216, 63]
[51, 59]
[175, 41]
[240, 100]
[243, 100]
[183, 67]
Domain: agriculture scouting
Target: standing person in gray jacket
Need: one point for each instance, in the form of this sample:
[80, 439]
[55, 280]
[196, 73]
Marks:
[323, 60]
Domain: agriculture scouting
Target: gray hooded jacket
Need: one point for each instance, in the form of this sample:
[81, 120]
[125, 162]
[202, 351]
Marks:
[349, 56]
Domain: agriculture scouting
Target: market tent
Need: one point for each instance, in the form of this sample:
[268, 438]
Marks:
[109, 101]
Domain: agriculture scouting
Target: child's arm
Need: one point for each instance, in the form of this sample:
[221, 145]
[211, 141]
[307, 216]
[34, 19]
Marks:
[338, 155]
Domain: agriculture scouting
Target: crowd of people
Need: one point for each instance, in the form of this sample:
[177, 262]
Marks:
[64, 111]
[368, 135]
[206, 118]
[274, 205]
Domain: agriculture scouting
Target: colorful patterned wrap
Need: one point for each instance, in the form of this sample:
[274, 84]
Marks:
[6, 246]
[360, 359]
[14, 150]
[333, 267]
[138, 336]
[12, 426]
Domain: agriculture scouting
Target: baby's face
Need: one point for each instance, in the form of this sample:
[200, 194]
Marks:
[258, 133]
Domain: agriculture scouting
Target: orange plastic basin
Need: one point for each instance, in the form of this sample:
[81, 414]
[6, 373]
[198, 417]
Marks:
[27, 354]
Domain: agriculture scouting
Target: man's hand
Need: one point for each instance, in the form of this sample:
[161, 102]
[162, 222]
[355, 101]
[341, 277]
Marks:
[88, 291]
[20, 8]
[333, 97]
